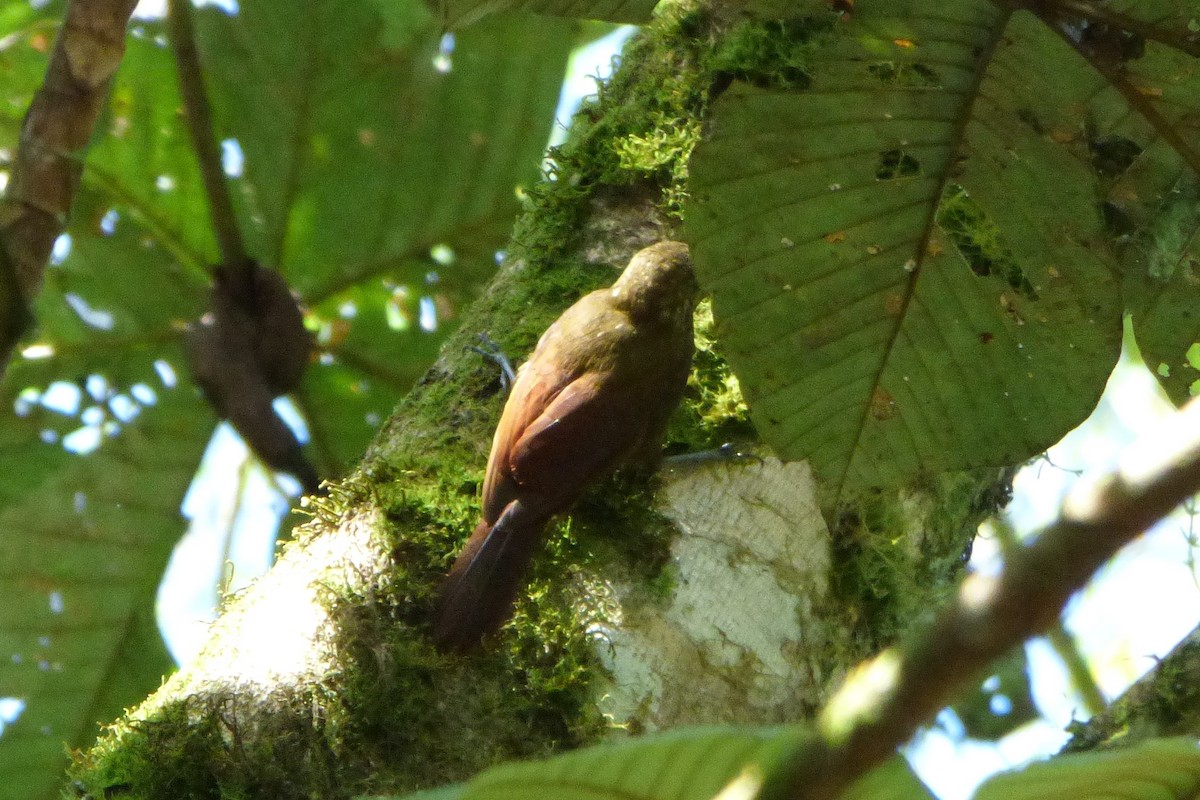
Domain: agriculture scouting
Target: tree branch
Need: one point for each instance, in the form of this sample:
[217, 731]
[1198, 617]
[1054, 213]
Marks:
[882, 704]
[49, 158]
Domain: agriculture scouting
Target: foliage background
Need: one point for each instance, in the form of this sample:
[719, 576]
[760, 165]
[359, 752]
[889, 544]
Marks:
[369, 146]
[381, 183]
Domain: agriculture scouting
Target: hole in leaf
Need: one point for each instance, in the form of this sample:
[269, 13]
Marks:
[92, 317]
[1031, 119]
[165, 373]
[11, 708]
[1116, 221]
[978, 241]
[124, 408]
[895, 164]
[63, 397]
[230, 7]
[108, 223]
[82, 441]
[1110, 44]
[232, 159]
[1112, 155]
[907, 74]
[143, 394]
[98, 386]
[428, 314]
[443, 62]
[61, 249]
[772, 56]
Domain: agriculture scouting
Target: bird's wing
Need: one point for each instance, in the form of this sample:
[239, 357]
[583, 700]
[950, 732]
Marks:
[553, 375]
[534, 389]
[584, 432]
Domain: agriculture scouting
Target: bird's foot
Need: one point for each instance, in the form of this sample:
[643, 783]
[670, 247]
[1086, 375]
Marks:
[491, 351]
[727, 452]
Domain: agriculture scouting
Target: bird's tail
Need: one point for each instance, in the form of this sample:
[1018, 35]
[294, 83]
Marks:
[477, 596]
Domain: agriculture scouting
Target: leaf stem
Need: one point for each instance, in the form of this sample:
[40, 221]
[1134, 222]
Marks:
[198, 113]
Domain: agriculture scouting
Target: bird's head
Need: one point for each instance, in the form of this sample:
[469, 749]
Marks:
[658, 283]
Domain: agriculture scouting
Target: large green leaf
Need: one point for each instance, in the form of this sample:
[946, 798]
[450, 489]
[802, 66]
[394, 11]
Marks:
[701, 762]
[1159, 769]
[907, 237]
[688, 764]
[362, 161]
[364, 149]
[83, 540]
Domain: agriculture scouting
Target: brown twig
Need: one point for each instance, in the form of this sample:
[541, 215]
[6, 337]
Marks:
[237, 265]
[1059, 638]
[48, 162]
[881, 706]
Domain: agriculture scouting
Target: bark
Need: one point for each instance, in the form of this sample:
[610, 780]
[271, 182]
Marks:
[49, 160]
[714, 592]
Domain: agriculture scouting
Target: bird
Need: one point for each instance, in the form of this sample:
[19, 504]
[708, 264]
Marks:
[595, 394]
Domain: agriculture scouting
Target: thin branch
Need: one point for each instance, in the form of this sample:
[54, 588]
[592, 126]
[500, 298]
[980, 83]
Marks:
[1082, 679]
[15, 317]
[48, 162]
[883, 703]
[200, 125]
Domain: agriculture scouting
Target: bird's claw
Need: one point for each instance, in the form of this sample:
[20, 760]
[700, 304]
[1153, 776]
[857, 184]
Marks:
[491, 351]
[726, 452]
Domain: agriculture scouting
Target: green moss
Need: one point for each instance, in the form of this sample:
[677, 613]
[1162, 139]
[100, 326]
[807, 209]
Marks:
[644, 122]
[201, 747]
[979, 242]
[770, 54]
[715, 412]
[429, 718]
[898, 555]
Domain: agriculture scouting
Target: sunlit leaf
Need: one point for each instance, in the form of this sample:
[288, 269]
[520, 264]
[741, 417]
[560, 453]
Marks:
[689, 764]
[83, 540]
[907, 237]
[1160, 769]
